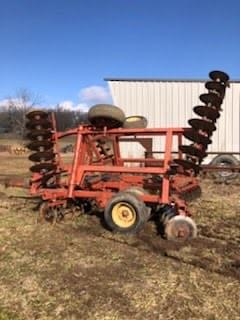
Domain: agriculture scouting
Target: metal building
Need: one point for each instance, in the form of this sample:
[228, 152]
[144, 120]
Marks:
[169, 103]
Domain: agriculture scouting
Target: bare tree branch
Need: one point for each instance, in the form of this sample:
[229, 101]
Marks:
[18, 106]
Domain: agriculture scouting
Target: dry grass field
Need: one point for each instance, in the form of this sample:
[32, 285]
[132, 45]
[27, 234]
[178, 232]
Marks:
[78, 270]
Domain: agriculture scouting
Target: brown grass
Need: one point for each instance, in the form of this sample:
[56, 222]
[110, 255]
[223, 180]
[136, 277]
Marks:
[78, 270]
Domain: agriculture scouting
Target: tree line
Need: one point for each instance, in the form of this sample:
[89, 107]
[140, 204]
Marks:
[13, 114]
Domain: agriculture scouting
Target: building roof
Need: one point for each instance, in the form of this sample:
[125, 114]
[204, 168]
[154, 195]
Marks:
[162, 80]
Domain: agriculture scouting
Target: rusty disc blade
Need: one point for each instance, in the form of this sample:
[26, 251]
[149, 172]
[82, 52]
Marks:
[219, 75]
[211, 98]
[187, 164]
[197, 137]
[208, 112]
[43, 167]
[37, 114]
[180, 228]
[49, 180]
[41, 156]
[35, 134]
[40, 145]
[193, 151]
[39, 124]
[201, 124]
[215, 86]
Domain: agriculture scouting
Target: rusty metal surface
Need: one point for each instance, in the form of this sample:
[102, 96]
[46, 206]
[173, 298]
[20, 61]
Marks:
[89, 159]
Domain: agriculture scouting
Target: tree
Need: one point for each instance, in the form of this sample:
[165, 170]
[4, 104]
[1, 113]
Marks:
[65, 118]
[17, 107]
[13, 113]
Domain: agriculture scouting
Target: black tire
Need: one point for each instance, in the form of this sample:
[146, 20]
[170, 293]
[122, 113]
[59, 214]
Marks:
[130, 202]
[106, 115]
[225, 160]
[135, 122]
[137, 191]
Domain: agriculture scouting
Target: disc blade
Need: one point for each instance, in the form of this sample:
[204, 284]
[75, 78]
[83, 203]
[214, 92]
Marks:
[36, 114]
[41, 156]
[180, 228]
[197, 137]
[208, 112]
[219, 75]
[43, 167]
[193, 151]
[40, 145]
[39, 124]
[200, 124]
[215, 86]
[187, 164]
[211, 98]
[35, 134]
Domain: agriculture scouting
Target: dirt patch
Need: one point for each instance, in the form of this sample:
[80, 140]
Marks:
[79, 270]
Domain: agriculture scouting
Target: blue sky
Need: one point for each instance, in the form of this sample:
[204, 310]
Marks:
[60, 48]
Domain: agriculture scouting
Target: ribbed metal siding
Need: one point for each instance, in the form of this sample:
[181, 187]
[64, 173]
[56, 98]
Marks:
[170, 104]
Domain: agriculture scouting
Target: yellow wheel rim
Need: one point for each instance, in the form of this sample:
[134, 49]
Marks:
[124, 215]
[133, 118]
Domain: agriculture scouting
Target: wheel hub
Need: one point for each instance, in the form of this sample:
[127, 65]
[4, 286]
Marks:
[124, 215]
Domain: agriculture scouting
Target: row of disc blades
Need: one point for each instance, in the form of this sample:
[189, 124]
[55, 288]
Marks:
[203, 128]
[40, 132]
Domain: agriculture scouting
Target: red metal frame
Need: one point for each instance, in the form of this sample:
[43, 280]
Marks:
[88, 161]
